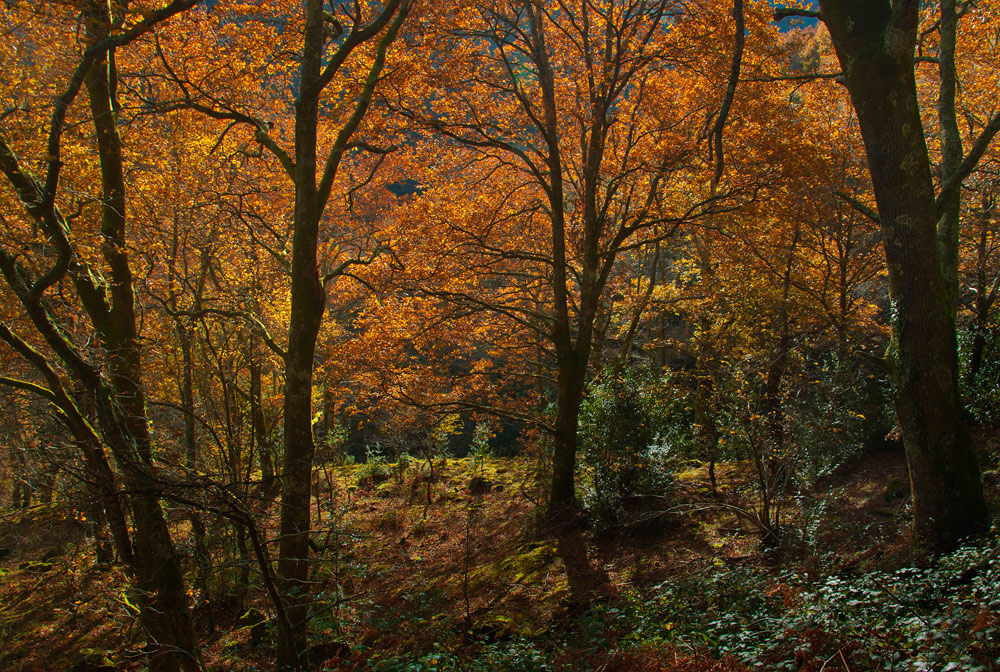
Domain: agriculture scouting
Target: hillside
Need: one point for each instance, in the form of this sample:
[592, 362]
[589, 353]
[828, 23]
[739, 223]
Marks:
[459, 571]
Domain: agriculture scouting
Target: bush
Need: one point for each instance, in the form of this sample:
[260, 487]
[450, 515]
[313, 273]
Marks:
[982, 394]
[479, 449]
[845, 408]
[829, 410]
[375, 470]
[634, 431]
[943, 617]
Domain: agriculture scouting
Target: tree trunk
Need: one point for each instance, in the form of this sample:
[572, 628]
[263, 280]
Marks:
[122, 409]
[243, 575]
[875, 43]
[307, 302]
[570, 390]
[986, 291]
[259, 431]
[308, 297]
[707, 433]
[20, 492]
[951, 153]
[46, 484]
[97, 526]
[779, 467]
[101, 483]
[202, 558]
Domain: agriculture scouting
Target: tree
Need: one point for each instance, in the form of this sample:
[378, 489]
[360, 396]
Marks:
[875, 43]
[87, 259]
[341, 61]
[566, 116]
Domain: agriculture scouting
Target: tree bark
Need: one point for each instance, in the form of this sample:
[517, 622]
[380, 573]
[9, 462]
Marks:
[101, 482]
[106, 293]
[986, 292]
[571, 379]
[20, 491]
[260, 439]
[201, 555]
[166, 617]
[308, 297]
[307, 302]
[951, 152]
[875, 42]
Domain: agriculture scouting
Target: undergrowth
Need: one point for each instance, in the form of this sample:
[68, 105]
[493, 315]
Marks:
[943, 617]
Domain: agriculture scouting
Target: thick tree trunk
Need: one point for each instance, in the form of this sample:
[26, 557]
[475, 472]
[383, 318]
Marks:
[187, 397]
[572, 354]
[159, 580]
[165, 616]
[243, 575]
[296, 476]
[308, 297]
[570, 390]
[875, 44]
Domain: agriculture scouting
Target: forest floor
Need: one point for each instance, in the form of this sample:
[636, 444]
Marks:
[417, 566]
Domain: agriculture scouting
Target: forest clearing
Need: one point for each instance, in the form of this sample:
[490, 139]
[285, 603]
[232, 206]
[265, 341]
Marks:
[460, 335]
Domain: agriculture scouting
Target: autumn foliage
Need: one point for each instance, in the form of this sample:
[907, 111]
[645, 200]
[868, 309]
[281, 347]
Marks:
[246, 242]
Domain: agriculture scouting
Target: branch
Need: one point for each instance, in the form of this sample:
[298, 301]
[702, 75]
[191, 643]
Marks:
[41, 317]
[739, 41]
[782, 13]
[249, 317]
[954, 181]
[55, 393]
[859, 206]
[357, 37]
[342, 268]
[91, 56]
[795, 78]
[259, 126]
[881, 362]
[495, 411]
[27, 386]
[342, 142]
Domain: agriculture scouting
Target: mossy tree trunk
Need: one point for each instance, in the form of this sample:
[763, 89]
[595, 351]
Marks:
[113, 378]
[875, 42]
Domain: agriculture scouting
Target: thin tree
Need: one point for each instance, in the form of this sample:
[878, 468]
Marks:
[110, 370]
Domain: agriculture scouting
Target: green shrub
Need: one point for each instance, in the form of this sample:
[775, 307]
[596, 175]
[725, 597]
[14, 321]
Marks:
[634, 431]
[479, 449]
[943, 617]
[982, 394]
[375, 470]
[843, 408]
